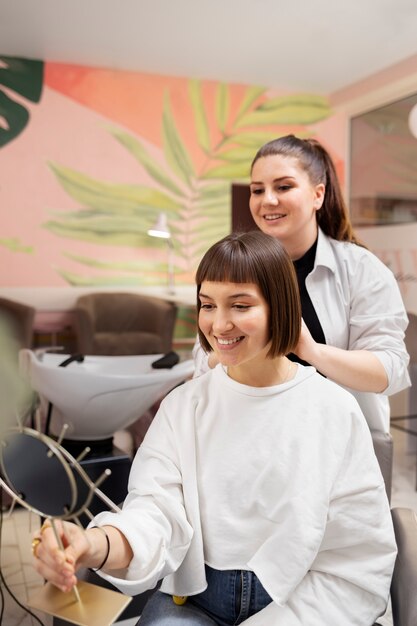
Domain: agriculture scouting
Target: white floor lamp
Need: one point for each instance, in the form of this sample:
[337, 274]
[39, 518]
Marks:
[161, 230]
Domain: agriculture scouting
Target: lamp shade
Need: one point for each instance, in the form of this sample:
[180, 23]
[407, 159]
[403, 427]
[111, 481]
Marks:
[160, 228]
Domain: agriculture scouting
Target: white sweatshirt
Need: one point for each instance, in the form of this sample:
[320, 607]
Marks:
[280, 480]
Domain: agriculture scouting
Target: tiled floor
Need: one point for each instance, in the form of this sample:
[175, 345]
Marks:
[22, 579]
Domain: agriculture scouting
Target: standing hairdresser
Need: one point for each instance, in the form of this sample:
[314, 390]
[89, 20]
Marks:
[353, 314]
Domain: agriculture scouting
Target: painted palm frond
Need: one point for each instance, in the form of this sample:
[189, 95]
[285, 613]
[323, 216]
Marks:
[195, 198]
[22, 80]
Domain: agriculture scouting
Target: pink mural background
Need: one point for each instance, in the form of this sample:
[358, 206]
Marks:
[70, 126]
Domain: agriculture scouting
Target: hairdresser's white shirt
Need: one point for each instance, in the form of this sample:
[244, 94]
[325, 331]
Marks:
[359, 305]
[280, 480]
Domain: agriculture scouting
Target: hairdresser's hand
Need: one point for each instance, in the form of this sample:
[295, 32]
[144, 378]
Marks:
[358, 369]
[57, 565]
[307, 349]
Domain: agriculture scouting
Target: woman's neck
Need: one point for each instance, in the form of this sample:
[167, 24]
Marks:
[297, 248]
[269, 373]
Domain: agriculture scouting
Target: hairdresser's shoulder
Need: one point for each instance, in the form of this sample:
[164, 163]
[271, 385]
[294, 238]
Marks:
[354, 256]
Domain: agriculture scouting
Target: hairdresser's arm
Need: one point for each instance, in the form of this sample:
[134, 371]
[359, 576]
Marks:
[372, 356]
[358, 369]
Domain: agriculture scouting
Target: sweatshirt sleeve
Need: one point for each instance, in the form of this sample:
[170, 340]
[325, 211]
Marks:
[153, 518]
[348, 581]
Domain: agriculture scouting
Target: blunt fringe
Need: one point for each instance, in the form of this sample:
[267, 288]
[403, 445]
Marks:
[254, 257]
[333, 216]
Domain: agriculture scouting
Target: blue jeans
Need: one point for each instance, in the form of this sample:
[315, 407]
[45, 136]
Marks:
[231, 597]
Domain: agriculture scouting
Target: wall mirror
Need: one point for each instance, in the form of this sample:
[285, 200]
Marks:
[383, 172]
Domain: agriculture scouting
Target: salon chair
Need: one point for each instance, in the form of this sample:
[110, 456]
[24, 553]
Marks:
[404, 580]
[125, 324]
[19, 319]
[383, 446]
[120, 324]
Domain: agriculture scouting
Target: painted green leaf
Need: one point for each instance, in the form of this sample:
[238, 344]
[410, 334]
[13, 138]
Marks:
[214, 189]
[13, 244]
[152, 166]
[217, 210]
[237, 154]
[16, 117]
[126, 266]
[297, 100]
[100, 236]
[115, 198]
[216, 230]
[108, 281]
[175, 151]
[200, 119]
[251, 95]
[222, 105]
[296, 110]
[253, 139]
[143, 276]
[25, 78]
[230, 171]
[206, 203]
[101, 222]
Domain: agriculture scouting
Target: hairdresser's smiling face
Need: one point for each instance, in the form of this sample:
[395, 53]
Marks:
[284, 202]
[234, 318]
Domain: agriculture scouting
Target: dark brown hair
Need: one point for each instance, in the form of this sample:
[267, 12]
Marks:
[255, 257]
[313, 158]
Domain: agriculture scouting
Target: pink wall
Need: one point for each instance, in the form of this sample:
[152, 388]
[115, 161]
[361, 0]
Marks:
[72, 127]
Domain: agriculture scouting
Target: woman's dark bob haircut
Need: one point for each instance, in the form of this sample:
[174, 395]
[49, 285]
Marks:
[255, 257]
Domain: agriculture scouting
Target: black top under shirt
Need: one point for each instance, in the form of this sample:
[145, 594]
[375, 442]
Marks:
[303, 267]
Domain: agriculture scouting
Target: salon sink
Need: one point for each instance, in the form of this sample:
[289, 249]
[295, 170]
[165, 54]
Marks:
[101, 394]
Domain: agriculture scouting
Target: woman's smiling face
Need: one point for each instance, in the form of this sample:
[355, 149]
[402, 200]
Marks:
[283, 202]
[234, 318]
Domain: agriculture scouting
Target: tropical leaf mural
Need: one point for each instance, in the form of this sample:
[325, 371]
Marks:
[22, 78]
[195, 198]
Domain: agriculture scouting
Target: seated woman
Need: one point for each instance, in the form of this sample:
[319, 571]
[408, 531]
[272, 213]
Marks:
[256, 495]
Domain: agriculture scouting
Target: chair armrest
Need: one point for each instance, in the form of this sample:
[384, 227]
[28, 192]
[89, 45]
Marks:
[404, 580]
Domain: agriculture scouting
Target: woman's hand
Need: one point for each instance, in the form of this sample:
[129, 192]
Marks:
[95, 547]
[59, 565]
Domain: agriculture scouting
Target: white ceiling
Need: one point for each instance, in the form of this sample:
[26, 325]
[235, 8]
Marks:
[302, 45]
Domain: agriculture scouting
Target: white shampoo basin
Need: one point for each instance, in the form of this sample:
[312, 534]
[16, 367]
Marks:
[101, 394]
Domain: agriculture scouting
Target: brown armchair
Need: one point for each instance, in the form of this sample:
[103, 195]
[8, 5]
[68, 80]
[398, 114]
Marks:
[119, 324]
[19, 320]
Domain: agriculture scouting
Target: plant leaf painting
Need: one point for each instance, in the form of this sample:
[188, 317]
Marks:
[24, 78]
[194, 193]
